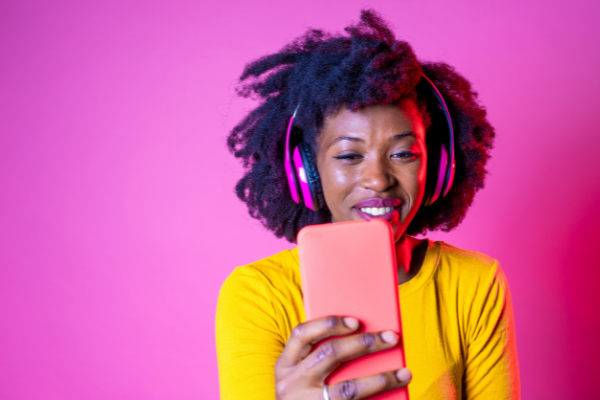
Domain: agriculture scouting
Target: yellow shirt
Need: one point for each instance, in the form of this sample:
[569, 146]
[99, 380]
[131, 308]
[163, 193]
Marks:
[457, 321]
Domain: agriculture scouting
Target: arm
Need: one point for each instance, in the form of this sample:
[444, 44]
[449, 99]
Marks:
[248, 338]
[492, 369]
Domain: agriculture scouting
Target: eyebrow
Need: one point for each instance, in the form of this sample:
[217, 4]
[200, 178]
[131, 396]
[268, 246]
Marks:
[402, 135]
[359, 140]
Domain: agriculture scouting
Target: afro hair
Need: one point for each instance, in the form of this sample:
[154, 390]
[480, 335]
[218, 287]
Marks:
[323, 71]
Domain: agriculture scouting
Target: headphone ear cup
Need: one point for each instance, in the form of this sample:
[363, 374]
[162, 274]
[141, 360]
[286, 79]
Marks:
[433, 158]
[312, 177]
[440, 143]
[290, 169]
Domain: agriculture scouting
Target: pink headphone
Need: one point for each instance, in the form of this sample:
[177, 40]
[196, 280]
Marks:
[303, 177]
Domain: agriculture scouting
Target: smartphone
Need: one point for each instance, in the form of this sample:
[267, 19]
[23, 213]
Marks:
[349, 269]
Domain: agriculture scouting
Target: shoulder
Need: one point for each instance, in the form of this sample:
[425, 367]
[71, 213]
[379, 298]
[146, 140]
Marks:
[454, 262]
[476, 280]
[467, 274]
[263, 296]
[274, 271]
[465, 259]
[270, 285]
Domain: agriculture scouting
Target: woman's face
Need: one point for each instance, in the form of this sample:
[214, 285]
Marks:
[372, 163]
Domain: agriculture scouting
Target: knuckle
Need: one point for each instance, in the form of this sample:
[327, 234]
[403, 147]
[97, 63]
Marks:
[348, 390]
[328, 350]
[367, 339]
[386, 380]
[331, 322]
[281, 388]
[298, 331]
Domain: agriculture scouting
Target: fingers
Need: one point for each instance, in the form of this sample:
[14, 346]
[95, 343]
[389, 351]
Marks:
[361, 388]
[306, 335]
[330, 354]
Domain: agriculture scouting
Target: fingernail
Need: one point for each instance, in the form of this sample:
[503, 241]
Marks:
[404, 375]
[350, 322]
[389, 337]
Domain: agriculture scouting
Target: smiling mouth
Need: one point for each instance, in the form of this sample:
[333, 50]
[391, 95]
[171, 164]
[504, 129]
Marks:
[384, 208]
[376, 211]
[378, 207]
[390, 214]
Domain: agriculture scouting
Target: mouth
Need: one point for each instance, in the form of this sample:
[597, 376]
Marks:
[387, 209]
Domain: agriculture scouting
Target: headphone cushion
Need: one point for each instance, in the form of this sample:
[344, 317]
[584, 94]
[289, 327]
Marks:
[312, 176]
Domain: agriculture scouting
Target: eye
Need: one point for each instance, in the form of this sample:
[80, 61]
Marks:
[350, 157]
[405, 155]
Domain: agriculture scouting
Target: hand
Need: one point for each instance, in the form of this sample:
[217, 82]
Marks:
[300, 372]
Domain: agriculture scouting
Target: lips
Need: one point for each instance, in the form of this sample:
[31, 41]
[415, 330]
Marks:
[379, 208]
[378, 202]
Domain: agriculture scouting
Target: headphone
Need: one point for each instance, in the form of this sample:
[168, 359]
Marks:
[305, 183]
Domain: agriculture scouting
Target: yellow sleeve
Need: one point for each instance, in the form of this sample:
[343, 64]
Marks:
[492, 370]
[248, 337]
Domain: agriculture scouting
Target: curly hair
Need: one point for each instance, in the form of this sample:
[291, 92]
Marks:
[323, 71]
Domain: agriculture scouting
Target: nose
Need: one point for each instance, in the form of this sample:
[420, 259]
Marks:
[377, 175]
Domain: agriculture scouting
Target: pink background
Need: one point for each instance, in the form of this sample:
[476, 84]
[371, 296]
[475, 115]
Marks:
[118, 221]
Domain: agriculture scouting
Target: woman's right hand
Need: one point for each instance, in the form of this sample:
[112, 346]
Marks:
[300, 372]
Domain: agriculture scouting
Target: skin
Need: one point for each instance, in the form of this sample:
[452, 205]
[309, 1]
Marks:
[375, 152]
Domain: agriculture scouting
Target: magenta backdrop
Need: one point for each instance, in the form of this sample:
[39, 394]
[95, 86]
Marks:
[118, 221]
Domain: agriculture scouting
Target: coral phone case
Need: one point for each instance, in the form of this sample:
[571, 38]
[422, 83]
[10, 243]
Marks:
[349, 269]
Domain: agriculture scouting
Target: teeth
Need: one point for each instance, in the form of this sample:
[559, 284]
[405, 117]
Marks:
[376, 210]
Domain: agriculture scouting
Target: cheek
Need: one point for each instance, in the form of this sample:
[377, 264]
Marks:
[334, 184]
[414, 187]
[340, 180]
[422, 177]
[414, 181]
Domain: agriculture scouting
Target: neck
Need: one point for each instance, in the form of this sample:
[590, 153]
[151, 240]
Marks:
[410, 253]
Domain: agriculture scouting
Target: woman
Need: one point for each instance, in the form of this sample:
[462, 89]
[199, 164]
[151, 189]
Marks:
[364, 112]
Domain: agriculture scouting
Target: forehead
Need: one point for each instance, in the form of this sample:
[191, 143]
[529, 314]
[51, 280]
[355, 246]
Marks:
[386, 120]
